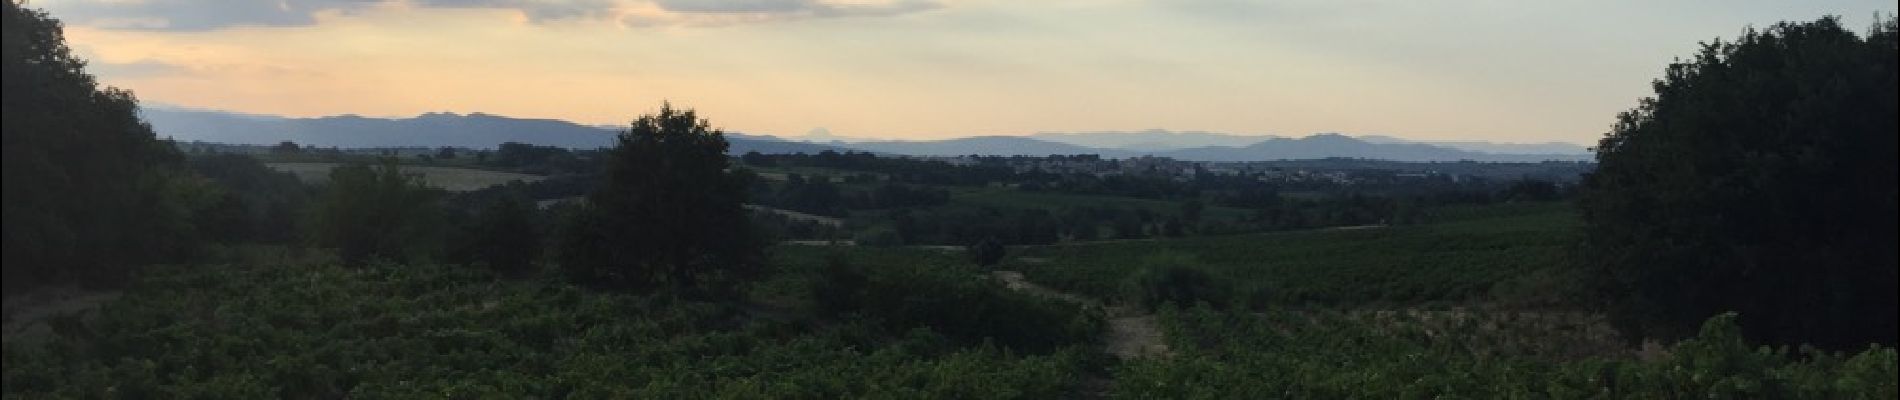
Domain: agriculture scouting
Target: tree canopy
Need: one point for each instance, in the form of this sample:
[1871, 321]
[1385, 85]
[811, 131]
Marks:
[89, 189]
[668, 212]
[1759, 179]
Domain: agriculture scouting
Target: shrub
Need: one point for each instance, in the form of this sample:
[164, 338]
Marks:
[986, 252]
[952, 301]
[1169, 278]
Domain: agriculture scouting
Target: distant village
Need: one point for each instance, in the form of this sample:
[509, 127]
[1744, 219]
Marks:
[1337, 171]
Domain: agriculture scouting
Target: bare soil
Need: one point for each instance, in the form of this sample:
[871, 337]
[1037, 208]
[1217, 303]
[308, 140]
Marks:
[1131, 333]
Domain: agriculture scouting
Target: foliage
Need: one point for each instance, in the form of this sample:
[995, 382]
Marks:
[668, 212]
[1761, 179]
[265, 202]
[1332, 354]
[503, 236]
[377, 212]
[89, 190]
[1461, 258]
[1172, 278]
[950, 300]
[986, 252]
[305, 329]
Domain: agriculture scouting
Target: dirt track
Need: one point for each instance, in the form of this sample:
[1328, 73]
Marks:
[1131, 334]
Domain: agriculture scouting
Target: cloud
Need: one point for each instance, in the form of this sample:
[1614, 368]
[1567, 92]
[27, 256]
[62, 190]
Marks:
[537, 11]
[208, 15]
[190, 15]
[137, 69]
[797, 8]
[730, 12]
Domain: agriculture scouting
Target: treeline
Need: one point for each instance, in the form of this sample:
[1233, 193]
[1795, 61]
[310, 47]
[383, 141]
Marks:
[819, 195]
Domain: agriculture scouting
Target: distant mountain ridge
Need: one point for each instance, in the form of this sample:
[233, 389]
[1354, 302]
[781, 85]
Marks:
[479, 130]
[1150, 140]
[473, 130]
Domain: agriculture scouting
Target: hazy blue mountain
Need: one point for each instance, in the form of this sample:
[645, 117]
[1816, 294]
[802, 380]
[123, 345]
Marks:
[1335, 145]
[1490, 147]
[983, 145]
[1150, 140]
[478, 130]
[1158, 140]
[475, 130]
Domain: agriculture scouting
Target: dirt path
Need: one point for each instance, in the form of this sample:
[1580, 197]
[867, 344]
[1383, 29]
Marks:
[1131, 334]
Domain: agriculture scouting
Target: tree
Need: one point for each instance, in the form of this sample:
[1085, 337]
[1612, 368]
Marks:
[667, 213]
[89, 189]
[1759, 179]
[286, 148]
[377, 213]
[265, 202]
[501, 236]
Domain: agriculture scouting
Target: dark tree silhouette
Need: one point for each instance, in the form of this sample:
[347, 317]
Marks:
[1759, 179]
[668, 212]
[89, 189]
[501, 236]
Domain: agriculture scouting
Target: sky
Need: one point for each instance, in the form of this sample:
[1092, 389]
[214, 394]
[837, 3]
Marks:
[1494, 70]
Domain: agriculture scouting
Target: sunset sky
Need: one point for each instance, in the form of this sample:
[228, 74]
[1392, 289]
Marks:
[1512, 71]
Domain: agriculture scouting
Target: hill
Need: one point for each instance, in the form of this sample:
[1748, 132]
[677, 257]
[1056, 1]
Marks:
[1341, 146]
[473, 130]
[479, 130]
[983, 145]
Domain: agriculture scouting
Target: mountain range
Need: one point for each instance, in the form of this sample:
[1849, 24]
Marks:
[479, 130]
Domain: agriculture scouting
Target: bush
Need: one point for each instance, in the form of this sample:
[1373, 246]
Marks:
[986, 252]
[502, 236]
[952, 301]
[377, 212]
[1170, 279]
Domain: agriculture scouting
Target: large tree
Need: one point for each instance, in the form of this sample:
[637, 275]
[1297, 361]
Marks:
[89, 189]
[377, 213]
[668, 212]
[1759, 179]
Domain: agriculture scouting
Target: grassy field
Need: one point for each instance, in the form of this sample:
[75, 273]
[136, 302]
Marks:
[1511, 251]
[446, 178]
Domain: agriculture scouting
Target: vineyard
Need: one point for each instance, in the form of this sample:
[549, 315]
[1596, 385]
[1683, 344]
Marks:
[854, 322]
[1510, 252]
[295, 327]
[1413, 355]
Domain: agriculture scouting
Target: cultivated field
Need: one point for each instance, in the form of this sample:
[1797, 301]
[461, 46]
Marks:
[446, 178]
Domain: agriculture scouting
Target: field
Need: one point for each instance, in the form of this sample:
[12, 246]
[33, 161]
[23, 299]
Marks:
[1474, 306]
[1012, 199]
[446, 178]
[1505, 253]
[288, 326]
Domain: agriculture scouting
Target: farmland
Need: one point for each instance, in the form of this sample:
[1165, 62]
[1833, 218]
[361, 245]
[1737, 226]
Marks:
[271, 324]
[1433, 310]
[447, 178]
[1513, 252]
